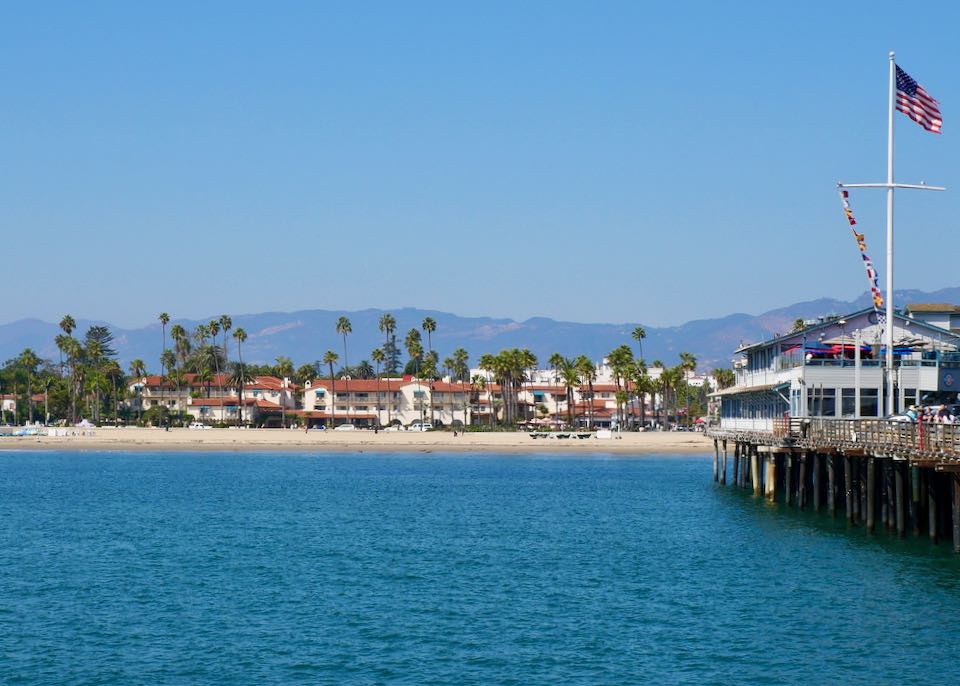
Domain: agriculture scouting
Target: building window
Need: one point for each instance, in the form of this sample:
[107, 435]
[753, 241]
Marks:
[822, 402]
[848, 402]
[869, 402]
[909, 397]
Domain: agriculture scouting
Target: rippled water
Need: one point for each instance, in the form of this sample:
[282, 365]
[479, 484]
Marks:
[240, 568]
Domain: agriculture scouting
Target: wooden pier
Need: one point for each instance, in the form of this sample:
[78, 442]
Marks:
[901, 476]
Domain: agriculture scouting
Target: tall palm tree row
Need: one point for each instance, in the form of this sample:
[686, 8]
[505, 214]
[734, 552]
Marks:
[241, 376]
[378, 357]
[330, 358]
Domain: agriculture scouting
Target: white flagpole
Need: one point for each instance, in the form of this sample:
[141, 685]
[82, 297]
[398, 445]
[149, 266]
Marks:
[889, 332]
[890, 375]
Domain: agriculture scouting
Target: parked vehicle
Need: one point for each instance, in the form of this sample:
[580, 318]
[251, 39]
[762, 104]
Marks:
[345, 427]
[420, 426]
[199, 425]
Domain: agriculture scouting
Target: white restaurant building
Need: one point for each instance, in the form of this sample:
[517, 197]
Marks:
[836, 368]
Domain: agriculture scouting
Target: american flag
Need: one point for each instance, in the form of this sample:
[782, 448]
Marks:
[914, 101]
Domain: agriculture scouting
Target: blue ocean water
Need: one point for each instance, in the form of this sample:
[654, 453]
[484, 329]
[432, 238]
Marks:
[446, 569]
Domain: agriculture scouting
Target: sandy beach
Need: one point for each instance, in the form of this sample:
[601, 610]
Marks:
[284, 440]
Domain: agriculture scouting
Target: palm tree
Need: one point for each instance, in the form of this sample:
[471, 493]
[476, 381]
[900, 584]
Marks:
[330, 358]
[226, 323]
[490, 365]
[621, 362]
[725, 378]
[638, 334]
[113, 372]
[168, 361]
[388, 326]
[138, 370]
[74, 352]
[344, 328]
[378, 357]
[571, 379]
[461, 371]
[798, 325]
[429, 326]
[28, 362]
[164, 320]
[587, 372]
[67, 324]
[214, 328]
[240, 377]
[661, 387]
[477, 386]
[239, 371]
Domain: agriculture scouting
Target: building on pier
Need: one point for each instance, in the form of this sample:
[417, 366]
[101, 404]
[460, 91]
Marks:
[835, 369]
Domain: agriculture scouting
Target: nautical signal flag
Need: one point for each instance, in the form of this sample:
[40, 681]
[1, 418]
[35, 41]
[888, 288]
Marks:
[914, 101]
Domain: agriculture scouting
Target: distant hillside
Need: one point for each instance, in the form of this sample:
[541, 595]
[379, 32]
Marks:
[305, 335]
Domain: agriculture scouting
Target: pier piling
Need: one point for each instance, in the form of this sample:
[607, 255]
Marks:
[755, 471]
[736, 464]
[848, 487]
[915, 500]
[932, 529]
[899, 493]
[816, 481]
[723, 470]
[716, 459]
[770, 477]
[788, 479]
[831, 486]
[896, 487]
[802, 481]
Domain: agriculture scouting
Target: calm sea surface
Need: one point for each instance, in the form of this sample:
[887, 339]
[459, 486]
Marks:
[446, 569]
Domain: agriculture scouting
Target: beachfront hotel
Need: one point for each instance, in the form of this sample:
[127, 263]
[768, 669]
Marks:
[835, 367]
[272, 401]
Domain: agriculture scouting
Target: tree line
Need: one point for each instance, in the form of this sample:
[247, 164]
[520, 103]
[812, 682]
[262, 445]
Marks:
[87, 380]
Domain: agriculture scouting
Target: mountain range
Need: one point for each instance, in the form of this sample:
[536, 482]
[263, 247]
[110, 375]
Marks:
[305, 335]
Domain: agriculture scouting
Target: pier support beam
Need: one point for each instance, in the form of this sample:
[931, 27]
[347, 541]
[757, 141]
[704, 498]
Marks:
[955, 488]
[716, 459]
[884, 494]
[723, 469]
[891, 495]
[788, 479]
[802, 482]
[932, 528]
[915, 500]
[899, 493]
[831, 485]
[864, 488]
[736, 464]
[871, 494]
[770, 477]
[848, 487]
[755, 470]
[855, 487]
[816, 481]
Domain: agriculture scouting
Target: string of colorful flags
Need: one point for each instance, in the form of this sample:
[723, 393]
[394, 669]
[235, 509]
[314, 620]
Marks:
[861, 243]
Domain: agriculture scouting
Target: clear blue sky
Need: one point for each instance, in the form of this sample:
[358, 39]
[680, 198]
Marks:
[652, 162]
